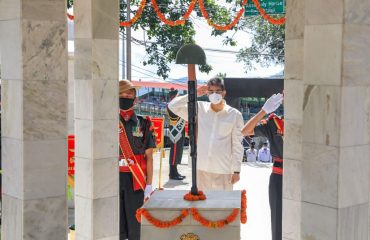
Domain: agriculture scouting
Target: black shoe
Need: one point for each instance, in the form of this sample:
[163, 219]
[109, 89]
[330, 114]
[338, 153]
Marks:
[181, 176]
[176, 173]
[177, 177]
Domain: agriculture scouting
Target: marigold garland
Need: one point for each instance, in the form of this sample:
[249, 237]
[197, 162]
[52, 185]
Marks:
[71, 17]
[170, 22]
[158, 223]
[190, 197]
[186, 16]
[220, 27]
[214, 224]
[125, 23]
[197, 216]
[267, 17]
[243, 208]
[136, 16]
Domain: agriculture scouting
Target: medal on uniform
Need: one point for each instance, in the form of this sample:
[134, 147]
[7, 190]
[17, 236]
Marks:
[136, 132]
[122, 163]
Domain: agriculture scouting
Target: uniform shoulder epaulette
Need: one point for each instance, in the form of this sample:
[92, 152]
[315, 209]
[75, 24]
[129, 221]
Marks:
[271, 116]
[279, 122]
[144, 117]
[149, 121]
[274, 116]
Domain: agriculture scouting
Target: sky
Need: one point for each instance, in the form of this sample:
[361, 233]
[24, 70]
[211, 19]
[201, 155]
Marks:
[222, 62]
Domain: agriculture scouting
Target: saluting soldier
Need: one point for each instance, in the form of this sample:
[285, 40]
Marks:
[273, 129]
[136, 141]
[177, 139]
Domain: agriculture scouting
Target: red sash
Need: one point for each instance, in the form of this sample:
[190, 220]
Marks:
[139, 177]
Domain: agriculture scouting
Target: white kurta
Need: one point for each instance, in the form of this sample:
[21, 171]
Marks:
[220, 148]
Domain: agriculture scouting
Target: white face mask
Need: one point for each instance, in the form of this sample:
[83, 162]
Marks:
[215, 98]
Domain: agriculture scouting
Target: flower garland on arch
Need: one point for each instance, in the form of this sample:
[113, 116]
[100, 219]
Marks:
[170, 22]
[267, 17]
[70, 17]
[186, 16]
[136, 16]
[220, 27]
[125, 23]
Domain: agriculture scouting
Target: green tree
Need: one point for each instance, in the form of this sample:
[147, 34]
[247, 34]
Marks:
[221, 75]
[267, 46]
[164, 41]
[268, 40]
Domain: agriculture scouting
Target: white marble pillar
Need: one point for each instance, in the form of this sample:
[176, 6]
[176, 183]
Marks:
[96, 118]
[34, 104]
[336, 120]
[71, 77]
[71, 95]
[293, 99]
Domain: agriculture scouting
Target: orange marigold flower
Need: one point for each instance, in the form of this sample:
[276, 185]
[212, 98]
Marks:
[170, 22]
[199, 197]
[243, 210]
[267, 17]
[162, 224]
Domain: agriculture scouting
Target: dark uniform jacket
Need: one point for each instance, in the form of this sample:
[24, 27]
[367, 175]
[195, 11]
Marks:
[140, 133]
[177, 148]
[273, 129]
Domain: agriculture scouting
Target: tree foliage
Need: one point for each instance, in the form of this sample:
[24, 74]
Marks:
[267, 46]
[164, 41]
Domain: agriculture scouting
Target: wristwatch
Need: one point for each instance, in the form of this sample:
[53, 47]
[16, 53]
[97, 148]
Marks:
[237, 172]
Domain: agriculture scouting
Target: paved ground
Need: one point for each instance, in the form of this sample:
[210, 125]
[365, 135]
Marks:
[254, 178]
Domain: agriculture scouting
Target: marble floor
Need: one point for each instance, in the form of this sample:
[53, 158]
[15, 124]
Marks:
[254, 178]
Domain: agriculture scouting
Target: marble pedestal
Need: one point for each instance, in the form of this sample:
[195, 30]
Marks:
[166, 205]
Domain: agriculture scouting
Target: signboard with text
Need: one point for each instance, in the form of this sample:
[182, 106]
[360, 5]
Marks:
[269, 6]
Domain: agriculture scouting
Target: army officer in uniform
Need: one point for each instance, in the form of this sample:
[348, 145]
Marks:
[273, 129]
[177, 138]
[136, 142]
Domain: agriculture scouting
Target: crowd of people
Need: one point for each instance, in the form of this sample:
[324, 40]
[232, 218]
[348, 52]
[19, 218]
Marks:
[220, 131]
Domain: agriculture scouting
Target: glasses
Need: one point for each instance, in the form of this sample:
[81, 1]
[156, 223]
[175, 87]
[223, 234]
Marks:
[216, 91]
